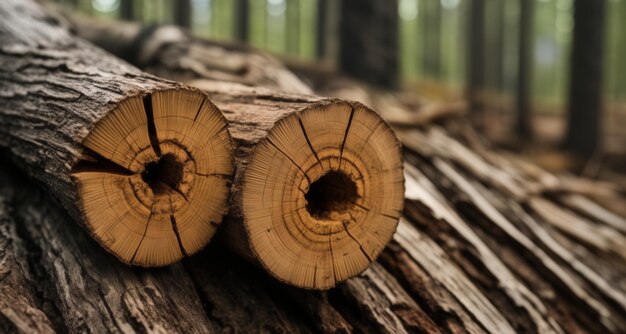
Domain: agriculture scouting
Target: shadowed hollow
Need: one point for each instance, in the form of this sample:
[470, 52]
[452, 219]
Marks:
[164, 174]
[333, 194]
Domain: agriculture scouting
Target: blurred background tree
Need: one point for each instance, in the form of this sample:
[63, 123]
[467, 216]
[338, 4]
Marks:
[511, 58]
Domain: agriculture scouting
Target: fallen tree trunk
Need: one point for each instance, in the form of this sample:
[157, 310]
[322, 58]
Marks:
[318, 186]
[132, 157]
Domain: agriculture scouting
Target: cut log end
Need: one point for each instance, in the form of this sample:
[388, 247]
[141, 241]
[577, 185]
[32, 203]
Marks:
[323, 193]
[154, 182]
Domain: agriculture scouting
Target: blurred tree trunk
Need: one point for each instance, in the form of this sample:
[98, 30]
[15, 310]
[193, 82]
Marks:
[369, 41]
[322, 28]
[242, 19]
[182, 13]
[523, 107]
[127, 10]
[475, 60]
[500, 45]
[585, 93]
[432, 38]
[293, 27]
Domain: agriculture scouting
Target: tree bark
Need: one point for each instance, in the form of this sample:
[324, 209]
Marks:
[94, 130]
[127, 10]
[20, 310]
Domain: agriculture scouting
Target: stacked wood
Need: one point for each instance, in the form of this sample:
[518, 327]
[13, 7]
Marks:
[142, 163]
[473, 253]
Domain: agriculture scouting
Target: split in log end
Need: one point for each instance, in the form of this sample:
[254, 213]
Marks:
[323, 193]
[154, 182]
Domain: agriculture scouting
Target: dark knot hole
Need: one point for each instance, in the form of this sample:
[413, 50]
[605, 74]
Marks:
[164, 174]
[334, 193]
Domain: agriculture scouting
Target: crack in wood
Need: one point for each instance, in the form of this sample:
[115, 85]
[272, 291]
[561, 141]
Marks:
[309, 141]
[132, 259]
[332, 258]
[199, 109]
[288, 157]
[152, 131]
[216, 175]
[175, 229]
[345, 227]
[345, 136]
[94, 162]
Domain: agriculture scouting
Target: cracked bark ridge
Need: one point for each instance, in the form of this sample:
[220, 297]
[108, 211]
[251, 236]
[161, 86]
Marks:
[20, 310]
[142, 163]
[319, 183]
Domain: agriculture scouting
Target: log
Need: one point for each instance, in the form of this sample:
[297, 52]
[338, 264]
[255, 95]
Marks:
[141, 163]
[318, 187]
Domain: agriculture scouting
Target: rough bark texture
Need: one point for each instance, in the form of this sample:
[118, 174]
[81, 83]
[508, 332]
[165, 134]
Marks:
[482, 248]
[20, 308]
